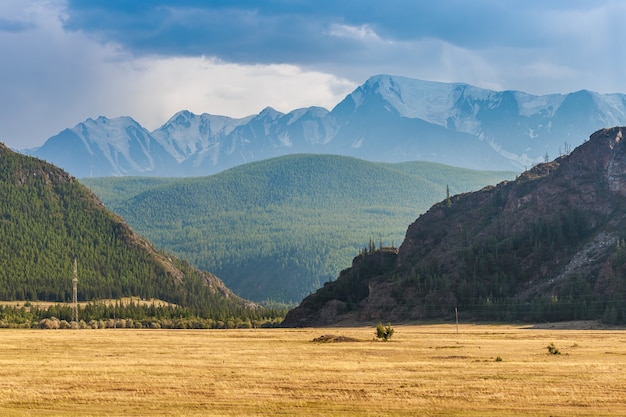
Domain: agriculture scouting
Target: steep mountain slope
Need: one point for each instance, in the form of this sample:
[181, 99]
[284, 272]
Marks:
[187, 135]
[547, 246]
[47, 219]
[279, 228]
[105, 147]
[387, 119]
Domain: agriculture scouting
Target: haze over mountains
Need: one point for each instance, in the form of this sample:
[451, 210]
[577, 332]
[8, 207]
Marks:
[387, 119]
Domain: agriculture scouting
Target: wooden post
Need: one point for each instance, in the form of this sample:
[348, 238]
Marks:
[75, 293]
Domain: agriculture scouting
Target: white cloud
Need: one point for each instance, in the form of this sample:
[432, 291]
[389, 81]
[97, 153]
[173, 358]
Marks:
[52, 79]
[160, 87]
[360, 33]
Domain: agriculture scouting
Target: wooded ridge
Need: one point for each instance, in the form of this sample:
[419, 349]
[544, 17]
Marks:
[278, 229]
[48, 219]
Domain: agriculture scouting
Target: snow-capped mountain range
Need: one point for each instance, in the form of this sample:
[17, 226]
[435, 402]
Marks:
[387, 119]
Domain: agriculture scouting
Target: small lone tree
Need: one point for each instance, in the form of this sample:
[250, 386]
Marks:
[553, 349]
[384, 332]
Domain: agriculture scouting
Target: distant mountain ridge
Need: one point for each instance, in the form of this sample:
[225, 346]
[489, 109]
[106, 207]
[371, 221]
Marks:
[387, 119]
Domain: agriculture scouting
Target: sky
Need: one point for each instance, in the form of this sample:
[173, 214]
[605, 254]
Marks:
[63, 61]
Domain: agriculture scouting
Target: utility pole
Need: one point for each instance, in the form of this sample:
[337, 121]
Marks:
[75, 293]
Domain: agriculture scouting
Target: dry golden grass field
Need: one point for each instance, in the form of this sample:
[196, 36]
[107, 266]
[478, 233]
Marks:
[430, 370]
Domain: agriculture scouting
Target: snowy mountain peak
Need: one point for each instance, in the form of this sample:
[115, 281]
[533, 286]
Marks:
[186, 134]
[388, 118]
[103, 120]
[102, 147]
[310, 113]
[417, 99]
[269, 113]
[183, 117]
[110, 132]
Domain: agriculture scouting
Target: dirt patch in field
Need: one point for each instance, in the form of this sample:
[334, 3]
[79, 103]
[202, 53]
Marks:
[331, 338]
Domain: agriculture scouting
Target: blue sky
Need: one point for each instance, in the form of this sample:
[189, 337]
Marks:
[67, 60]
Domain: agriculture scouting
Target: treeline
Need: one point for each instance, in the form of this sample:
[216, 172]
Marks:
[136, 315]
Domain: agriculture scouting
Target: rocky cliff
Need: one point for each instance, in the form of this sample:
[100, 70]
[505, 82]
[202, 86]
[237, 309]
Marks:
[547, 246]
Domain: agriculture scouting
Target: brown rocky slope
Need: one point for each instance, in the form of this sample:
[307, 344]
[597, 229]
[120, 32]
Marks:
[547, 246]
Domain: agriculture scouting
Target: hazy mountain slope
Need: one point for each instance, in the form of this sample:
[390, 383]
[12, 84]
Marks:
[547, 246]
[48, 219]
[387, 119]
[187, 135]
[375, 123]
[279, 228]
[104, 147]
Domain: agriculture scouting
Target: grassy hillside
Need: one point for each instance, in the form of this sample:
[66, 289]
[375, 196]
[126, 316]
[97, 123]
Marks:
[278, 229]
[48, 219]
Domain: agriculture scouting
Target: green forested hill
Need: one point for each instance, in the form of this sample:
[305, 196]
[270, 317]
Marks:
[278, 229]
[48, 219]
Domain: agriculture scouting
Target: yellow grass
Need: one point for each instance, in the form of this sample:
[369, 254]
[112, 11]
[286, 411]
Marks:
[423, 371]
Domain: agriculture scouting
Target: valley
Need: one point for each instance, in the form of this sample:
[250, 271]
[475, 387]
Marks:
[312, 209]
[545, 246]
[278, 229]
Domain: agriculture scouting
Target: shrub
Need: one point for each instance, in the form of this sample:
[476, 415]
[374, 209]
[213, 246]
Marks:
[553, 349]
[384, 332]
[51, 323]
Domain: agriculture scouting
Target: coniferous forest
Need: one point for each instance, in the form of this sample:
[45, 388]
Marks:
[279, 229]
[48, 219]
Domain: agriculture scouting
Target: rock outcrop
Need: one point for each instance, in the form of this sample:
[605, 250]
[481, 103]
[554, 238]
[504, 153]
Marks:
[547, 246]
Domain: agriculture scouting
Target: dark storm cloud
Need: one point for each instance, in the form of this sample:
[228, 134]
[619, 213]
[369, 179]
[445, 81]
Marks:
[300, 31]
